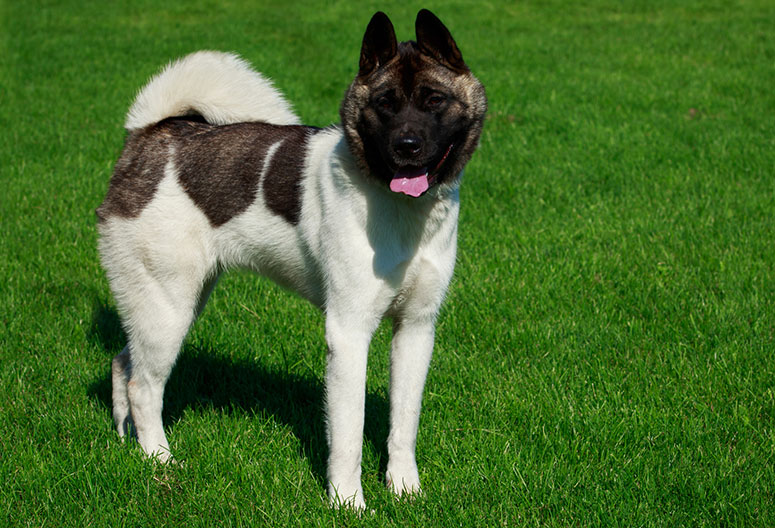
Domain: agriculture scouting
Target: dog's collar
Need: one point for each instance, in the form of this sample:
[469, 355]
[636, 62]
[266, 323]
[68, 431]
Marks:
[443, 159]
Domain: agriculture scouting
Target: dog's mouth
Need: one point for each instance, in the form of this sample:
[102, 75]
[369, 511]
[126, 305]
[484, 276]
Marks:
[415, 181]
[412, 181]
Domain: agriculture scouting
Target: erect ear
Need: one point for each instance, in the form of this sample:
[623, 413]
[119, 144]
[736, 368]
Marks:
[379, 44]
[435, 40]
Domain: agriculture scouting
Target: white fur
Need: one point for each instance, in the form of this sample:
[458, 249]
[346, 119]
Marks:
[221, 87]
[359, 251]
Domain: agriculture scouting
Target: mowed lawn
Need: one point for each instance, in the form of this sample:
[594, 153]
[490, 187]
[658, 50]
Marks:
[606, 353]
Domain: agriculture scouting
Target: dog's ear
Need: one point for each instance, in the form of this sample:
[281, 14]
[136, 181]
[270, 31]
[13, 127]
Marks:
[435, 40]
[379, 44]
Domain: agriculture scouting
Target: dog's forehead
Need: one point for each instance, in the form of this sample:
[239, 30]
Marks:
[410, 69]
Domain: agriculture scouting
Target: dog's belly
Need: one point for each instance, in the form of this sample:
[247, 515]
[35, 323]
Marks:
[266, 243]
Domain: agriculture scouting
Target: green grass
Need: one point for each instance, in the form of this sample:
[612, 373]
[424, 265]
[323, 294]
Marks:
[605, 356]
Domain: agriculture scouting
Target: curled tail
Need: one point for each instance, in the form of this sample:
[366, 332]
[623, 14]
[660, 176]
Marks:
[221, 87]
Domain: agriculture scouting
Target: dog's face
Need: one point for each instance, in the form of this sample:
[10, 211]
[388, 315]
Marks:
[414, 113]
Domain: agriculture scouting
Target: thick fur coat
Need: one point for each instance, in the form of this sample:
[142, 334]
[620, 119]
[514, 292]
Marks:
[217, 173]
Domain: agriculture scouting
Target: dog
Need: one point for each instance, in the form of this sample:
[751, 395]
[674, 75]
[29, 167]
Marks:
[359, 218]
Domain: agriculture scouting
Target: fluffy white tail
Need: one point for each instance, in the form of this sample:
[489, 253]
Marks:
[221, 87]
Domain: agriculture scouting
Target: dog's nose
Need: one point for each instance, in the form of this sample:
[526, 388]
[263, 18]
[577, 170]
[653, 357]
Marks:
[407, 146]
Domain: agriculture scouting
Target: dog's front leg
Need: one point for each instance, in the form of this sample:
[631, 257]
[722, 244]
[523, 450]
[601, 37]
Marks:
[410, 357]
[348, 345]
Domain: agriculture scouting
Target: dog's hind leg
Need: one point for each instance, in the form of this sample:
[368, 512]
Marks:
[161, 267]
[157, 320]
[155, 337]
[120, 376]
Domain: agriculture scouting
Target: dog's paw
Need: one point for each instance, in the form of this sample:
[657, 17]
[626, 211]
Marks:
[161, 455]
[352, 499]
[403, 481]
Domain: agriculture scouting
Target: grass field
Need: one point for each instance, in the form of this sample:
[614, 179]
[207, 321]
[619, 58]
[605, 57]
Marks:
[605, 357]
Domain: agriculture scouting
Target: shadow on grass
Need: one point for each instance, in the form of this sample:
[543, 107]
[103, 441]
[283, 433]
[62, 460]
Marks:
[202, 379]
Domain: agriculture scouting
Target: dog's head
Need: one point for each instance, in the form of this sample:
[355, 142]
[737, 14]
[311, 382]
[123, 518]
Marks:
[414, 113]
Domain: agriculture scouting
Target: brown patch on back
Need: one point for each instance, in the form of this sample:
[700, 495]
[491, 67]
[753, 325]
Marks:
[218, 167]
[136, 175]
[282, 183]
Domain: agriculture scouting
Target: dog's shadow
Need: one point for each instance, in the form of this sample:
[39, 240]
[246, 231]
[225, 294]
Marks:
[202, 379]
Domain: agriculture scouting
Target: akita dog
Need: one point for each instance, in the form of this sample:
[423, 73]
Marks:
[359, 218]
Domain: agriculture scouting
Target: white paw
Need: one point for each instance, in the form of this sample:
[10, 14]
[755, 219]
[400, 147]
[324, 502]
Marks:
[161, 454]
[403, 480]
[351, 499]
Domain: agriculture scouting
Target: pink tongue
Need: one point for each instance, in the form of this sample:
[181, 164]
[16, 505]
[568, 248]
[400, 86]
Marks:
[412, 182]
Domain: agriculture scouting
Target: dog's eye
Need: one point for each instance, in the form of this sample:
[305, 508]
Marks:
[385, 103]
[435, 101]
